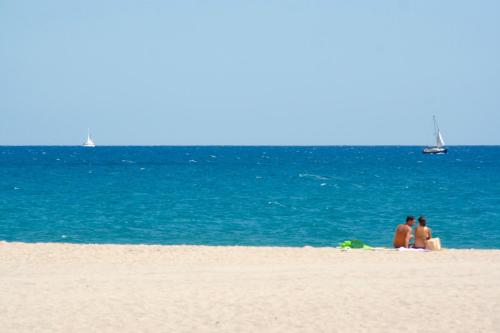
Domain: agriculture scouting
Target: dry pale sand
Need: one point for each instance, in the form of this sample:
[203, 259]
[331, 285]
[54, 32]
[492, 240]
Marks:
[115, 288]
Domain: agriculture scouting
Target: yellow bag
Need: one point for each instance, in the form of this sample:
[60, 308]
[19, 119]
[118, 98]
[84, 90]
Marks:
[433, 244]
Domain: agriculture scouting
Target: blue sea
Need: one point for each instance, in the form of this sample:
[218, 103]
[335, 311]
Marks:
[264, 196]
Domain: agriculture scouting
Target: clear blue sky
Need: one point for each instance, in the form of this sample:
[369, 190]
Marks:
[249, 72]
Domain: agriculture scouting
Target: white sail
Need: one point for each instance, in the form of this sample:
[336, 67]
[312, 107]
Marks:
[89, 142]
[439, 140]
[439, 148]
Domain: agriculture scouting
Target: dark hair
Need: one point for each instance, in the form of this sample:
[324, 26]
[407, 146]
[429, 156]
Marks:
[410, 218]
[422, 221]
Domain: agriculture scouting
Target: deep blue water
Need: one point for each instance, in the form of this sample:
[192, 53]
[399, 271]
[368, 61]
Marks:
[286, 196]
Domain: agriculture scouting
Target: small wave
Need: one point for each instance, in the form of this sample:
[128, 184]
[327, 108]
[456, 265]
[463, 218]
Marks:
[310, 175]
[193, 161]
[128, 161]
[275, 203]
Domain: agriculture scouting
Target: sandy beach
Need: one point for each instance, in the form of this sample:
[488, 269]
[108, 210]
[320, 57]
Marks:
[133, 288]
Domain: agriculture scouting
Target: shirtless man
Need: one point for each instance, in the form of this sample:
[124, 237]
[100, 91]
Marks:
[403, 233]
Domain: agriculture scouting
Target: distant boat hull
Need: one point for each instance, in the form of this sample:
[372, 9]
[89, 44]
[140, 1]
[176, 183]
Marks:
[88, 145]
[435, 150]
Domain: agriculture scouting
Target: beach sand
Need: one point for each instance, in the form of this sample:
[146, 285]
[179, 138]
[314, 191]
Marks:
[136, 288]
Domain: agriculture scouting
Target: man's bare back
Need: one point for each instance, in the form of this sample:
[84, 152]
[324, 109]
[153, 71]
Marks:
[403, 233]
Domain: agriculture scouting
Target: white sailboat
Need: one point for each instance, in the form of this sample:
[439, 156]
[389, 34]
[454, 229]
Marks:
[89, 142]
[439, 148]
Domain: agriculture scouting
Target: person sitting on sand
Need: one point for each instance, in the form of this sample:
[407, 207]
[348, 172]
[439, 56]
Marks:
[422, 234]
[403, 233]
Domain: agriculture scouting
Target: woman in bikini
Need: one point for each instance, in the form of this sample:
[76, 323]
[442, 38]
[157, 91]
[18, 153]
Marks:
[422, 234]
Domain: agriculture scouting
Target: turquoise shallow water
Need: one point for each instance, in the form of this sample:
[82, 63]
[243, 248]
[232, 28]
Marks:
[284, 196]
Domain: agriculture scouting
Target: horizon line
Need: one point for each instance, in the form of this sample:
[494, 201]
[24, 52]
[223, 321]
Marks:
[247, 145]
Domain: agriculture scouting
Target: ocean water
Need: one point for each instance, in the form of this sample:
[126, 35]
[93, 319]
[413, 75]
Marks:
[278, 196]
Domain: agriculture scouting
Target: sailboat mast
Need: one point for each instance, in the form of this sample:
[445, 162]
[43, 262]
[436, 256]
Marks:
[436, 128]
